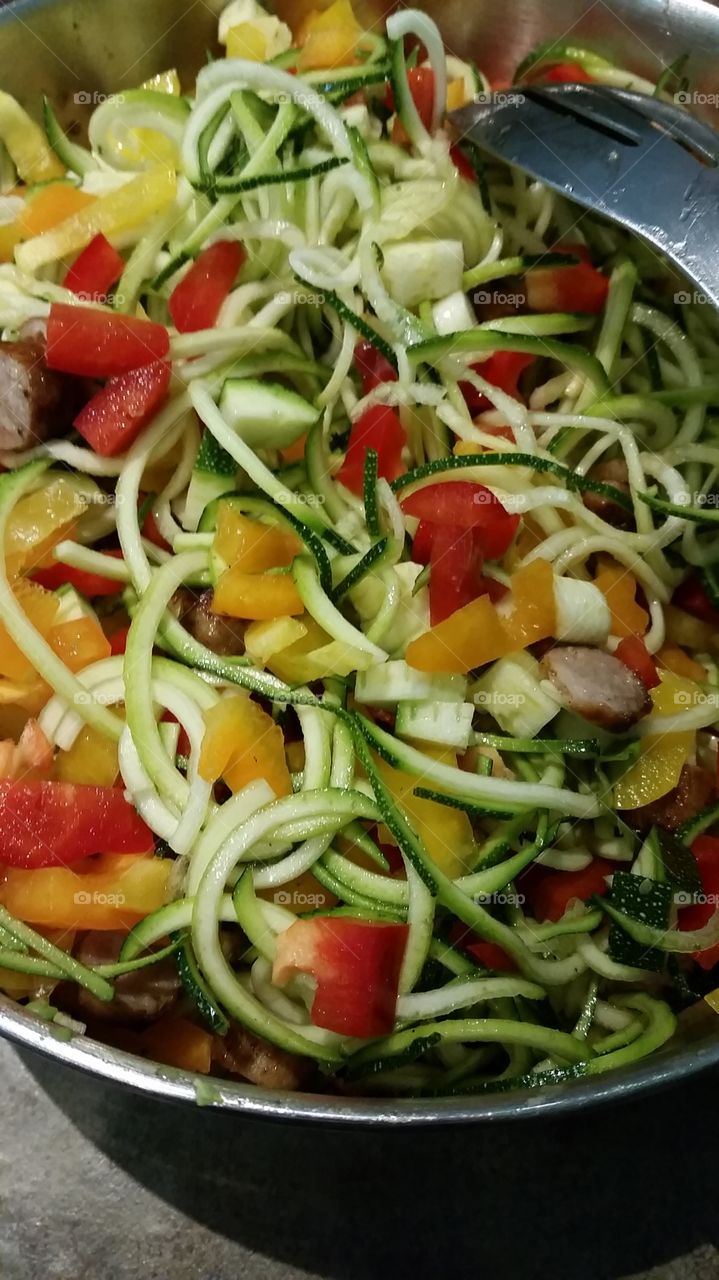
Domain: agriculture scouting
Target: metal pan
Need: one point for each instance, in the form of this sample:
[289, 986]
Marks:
[75, 51]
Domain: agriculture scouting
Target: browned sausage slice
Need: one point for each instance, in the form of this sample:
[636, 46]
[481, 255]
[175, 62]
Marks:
[614, 472]
[240, 1053]
[596, 685]
[217, 631]
[35, 402]
[139, 996]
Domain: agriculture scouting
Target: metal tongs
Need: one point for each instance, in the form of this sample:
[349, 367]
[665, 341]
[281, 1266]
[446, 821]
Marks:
[642, 162]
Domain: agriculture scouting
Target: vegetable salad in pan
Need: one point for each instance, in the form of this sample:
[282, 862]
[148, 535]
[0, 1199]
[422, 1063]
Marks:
[359, 695]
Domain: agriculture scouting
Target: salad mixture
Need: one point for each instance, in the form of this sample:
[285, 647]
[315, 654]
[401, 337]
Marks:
[359, 582]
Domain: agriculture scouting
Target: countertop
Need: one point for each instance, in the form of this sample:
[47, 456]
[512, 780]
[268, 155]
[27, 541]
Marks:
[97, 1183]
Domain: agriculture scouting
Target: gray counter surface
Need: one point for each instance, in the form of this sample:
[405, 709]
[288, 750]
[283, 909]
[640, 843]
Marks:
[99, 1184]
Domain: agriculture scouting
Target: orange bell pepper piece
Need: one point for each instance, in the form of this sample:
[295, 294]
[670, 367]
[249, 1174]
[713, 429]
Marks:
[256, 596]
[619, 587]
[250, 545]
[478, 634]
[51, 205]
[112, 891]
[38, 522]
[329, 39]
[40, 606]
[178, 1043]
[243, 743]
[679, 662]
[79, 642]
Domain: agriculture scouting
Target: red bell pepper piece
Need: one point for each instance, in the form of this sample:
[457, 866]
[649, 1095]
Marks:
[456, 576]
[196, 301]
[100, 344]
[95, 270]
[503, 370]
[579, 287]
[549, 892]
[489, 954]
[88, 584]
[372, 367]
[692, 598]
[356, 964]
[462, 164]
[564, 73]
[52, 824]
[116, 414]
[421, 87]
[633, 652]
[118, 641]
[470, 506]
[697, 914]
[152, 533]
[380, 429]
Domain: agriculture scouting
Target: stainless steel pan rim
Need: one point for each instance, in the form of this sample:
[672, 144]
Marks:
[74, 49]
[172, 1085]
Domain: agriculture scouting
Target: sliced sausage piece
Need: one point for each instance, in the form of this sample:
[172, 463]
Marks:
[596, 685]
[240, 1053]
[217, 631]
[35, 402]
[139, 996]
[614, 472]
[692, 793]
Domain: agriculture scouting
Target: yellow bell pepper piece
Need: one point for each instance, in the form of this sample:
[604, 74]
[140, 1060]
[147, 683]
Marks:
[478, 634]
[657, 770]
[329, 39]
[456, 94]
[38, 522]
[256, 596]
[79, 642]
[131, 205]
[250, 545]
[619, 587]
[243, 743]
[294, 664]
[29, 149]
[446, 832]
[676, 660]
[51, 205]
[91, 760]
[246, 41]
[265, 639]
[164, 82]
[111, 891]
[23, 985]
